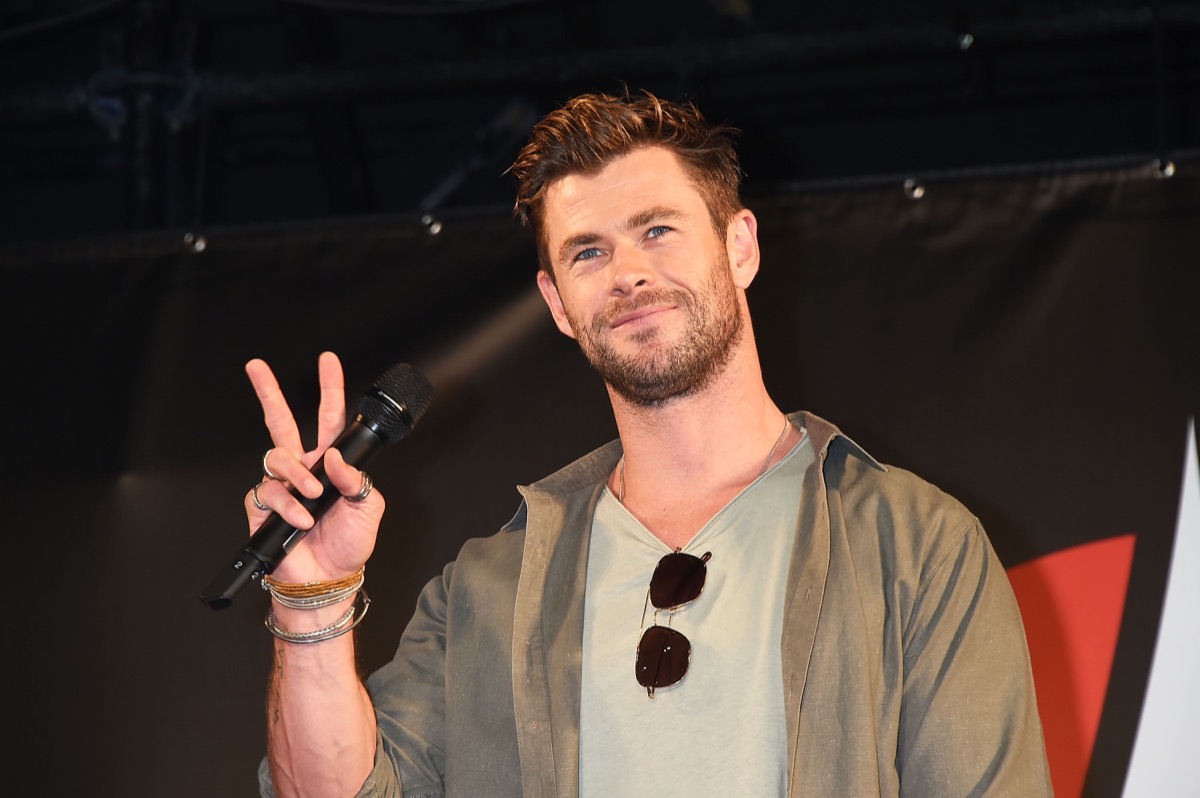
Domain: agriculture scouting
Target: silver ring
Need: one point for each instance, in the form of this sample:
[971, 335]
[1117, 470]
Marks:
[267, 472]
[254, 497]
[363, 492]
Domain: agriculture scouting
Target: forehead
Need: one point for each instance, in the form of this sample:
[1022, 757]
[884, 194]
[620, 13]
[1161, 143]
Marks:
[645, 178]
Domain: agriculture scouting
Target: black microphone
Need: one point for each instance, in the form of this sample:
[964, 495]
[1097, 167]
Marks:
[388, 412]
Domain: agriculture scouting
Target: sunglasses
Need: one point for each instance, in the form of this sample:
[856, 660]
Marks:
[663, 654]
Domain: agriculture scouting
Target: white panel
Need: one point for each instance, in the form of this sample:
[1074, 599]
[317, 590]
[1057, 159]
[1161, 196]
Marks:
[1167, 748]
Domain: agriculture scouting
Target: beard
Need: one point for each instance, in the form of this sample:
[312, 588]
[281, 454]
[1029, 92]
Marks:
[666, 370]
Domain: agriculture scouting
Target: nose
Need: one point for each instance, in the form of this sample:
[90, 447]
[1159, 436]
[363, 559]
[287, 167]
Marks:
[630, 269]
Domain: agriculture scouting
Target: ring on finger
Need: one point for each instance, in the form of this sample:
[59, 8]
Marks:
[364, 491]
[254, 497]
[267, 472]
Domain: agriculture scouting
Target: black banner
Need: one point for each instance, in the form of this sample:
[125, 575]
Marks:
[1030, 344]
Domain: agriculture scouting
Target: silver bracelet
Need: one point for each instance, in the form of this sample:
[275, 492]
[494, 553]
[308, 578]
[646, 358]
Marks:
[352, 618]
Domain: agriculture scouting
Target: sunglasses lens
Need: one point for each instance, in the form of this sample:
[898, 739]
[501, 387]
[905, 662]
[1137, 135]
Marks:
[662, 657]
[678, 579]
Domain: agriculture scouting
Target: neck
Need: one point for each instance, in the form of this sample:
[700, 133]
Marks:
[735, 401]
[688, 457]
[697, 430]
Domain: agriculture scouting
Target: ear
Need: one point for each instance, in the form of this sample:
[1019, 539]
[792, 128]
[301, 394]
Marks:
[742, 244]
[550, 293]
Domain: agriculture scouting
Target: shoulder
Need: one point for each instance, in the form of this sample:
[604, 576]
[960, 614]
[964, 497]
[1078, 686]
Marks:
[889, 512]
[489, 561]
[551, 502]
[864, 485]
[859, 483]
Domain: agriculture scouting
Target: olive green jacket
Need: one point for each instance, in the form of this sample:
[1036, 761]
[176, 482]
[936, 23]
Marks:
[906, 671]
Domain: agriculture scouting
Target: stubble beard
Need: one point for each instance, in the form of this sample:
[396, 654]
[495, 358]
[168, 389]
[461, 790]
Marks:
[662, 370]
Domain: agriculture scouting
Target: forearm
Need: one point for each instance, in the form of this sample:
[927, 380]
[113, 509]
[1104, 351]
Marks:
[320, 721]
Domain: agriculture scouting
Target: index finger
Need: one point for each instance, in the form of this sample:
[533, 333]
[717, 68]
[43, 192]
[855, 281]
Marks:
[276, 412]
[331, 416]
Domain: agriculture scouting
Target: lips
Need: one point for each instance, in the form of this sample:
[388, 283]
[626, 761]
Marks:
[626, 312]
[640, 313]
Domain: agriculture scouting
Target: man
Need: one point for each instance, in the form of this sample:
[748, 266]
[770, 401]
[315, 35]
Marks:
[815, 623]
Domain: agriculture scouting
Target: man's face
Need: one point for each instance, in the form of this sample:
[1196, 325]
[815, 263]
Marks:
[642, 280]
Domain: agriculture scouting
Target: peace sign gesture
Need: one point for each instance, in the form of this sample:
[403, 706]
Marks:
[341, 541]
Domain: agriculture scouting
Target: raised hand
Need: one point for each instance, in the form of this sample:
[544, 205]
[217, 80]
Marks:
[342, 540]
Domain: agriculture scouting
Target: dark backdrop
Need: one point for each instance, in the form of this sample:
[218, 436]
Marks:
[185, 184]
[1029, 343]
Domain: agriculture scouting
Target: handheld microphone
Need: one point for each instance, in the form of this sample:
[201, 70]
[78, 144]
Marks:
[388, 412]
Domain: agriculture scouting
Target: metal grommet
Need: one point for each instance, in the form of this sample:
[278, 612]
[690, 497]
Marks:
[913, 190]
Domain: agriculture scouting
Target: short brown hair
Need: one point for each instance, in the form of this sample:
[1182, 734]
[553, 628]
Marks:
[592, 130]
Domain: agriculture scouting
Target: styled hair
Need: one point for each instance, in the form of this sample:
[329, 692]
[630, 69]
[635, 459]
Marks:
[592, 130]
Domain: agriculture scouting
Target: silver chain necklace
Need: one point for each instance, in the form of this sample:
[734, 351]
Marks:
[761, 471]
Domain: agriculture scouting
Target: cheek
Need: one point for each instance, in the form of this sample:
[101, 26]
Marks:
[585, 296]
[574, 316]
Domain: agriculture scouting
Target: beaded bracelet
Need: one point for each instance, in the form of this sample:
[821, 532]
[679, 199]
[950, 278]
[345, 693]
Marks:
[352, 618]
[314, 595]
[301, 590]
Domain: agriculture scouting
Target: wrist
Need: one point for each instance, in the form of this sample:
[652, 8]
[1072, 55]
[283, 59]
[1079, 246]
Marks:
[311, 612]
[316, 626]
[297, 620]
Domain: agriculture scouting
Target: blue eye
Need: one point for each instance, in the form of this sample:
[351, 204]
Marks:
[587, 254]
[657, 230]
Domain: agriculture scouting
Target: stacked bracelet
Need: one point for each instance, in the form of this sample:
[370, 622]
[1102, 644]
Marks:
[352, 618]
[314, 595]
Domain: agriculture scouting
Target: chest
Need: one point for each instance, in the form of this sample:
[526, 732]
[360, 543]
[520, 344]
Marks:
[724, 721]
[675, 520]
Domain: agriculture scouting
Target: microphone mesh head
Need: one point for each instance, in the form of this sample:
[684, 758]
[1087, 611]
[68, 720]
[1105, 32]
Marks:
[396, 402]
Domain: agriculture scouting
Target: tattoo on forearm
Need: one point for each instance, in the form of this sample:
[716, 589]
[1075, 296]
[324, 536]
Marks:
[273, 695]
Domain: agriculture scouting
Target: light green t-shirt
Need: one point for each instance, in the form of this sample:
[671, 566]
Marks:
[720, 731]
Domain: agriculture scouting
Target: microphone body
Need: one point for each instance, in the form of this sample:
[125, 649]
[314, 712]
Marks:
[386, 414]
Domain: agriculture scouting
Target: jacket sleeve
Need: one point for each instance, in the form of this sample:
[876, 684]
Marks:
[409, 694]
[969, 724]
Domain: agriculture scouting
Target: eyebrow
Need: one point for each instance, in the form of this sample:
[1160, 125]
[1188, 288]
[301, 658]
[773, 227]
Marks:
[639, 219]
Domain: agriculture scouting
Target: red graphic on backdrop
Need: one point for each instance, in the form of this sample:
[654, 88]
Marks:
[1071, 602]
